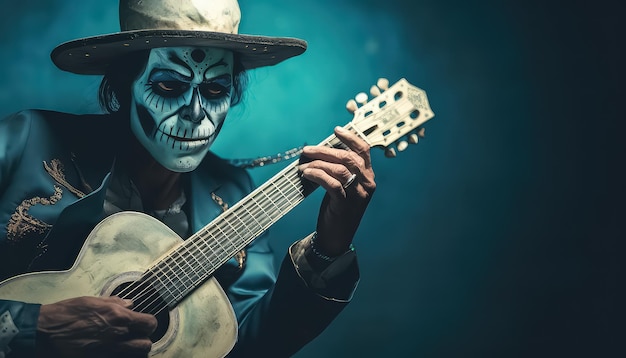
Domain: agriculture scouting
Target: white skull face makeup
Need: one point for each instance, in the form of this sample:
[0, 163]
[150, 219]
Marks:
[179, 103]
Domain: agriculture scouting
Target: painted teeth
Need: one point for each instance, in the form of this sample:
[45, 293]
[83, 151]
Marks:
[184, 137]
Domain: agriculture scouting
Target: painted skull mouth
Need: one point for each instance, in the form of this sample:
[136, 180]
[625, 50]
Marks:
[187, 140]
[183, 139]
[185, 135]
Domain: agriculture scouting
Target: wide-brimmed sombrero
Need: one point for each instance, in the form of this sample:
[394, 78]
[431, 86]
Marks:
[147, 24]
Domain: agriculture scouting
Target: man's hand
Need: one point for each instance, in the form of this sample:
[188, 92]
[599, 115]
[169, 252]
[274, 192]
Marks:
[345, 201]
[94, 326]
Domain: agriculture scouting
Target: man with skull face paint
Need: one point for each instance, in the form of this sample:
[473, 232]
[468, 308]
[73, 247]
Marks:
[168, 91]
[180, 103]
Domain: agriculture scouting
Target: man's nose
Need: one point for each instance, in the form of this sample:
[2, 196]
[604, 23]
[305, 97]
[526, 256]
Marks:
[193, 111]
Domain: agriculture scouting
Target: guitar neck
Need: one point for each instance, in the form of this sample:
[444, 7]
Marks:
[394, 113]
[192, 263]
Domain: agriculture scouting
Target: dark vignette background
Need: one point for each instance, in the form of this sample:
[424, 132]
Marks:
[500, 235]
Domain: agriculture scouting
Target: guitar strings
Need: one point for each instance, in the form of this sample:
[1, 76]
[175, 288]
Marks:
[201, 244]
[226, 235]
[148, 297]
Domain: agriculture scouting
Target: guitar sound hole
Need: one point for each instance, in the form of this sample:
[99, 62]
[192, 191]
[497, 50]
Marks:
[151, 303]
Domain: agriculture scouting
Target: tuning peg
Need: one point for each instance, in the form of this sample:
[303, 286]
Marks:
[390, 153]
[422, 132]
[351, 106]
[403, 145]
[375, 91]
[383, 83]
[361, 98]
[413, 138]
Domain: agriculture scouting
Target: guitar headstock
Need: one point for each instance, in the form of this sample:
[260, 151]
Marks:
[394, 115]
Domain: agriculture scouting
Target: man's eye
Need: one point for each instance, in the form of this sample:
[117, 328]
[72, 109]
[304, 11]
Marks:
[170, 88]
[165, 86]
[213, 90]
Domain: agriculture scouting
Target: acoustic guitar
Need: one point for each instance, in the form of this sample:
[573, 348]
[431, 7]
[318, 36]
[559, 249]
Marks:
[133, 255]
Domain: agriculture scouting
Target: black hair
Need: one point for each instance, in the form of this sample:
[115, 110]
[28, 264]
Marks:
[114, 93]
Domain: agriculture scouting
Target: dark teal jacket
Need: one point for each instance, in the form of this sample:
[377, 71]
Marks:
[54, 169]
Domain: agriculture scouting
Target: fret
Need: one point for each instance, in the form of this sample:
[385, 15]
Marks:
[180, 269]
[195, 271]
[334, 142]
[198, 266]
[265, 214]
[254, 217]
[279, 191]
[274, 204]
[295, 185]
[167, 272]
[235, 232]
[263, 204]
[186, 269]
[242, 222]
[218, 241]
[207, 259]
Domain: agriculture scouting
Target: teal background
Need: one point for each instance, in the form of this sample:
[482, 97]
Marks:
[500, 234]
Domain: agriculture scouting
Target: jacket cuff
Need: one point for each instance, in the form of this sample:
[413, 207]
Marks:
[334, 280]
[20, 321]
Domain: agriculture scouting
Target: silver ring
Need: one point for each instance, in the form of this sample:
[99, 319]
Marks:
[350, 181]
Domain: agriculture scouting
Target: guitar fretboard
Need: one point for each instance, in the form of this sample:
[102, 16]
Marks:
[194, 261]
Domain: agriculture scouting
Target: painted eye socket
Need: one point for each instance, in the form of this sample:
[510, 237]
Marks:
[213, 90]
[170, 88]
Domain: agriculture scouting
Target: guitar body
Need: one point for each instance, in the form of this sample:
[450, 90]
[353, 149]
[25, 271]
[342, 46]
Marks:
[118, 251]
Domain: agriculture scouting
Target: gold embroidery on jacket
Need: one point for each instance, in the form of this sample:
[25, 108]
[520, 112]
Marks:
[55, 169]
[241, 255]
[21, 223]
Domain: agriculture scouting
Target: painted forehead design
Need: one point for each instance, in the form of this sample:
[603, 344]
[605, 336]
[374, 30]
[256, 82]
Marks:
[197, 61]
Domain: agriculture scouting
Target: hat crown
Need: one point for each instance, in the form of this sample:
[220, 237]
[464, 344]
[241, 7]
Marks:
[197, 15]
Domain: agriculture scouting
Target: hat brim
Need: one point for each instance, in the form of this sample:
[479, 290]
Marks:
[92, 55]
